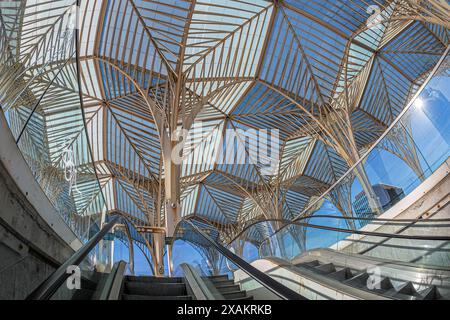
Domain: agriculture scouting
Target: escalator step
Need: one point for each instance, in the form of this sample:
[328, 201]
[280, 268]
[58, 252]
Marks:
[342, 274]
[359, 280]
[155, 289]
[244, 298]
[313, 263]
[83, 294]
[407, 288]
[154, 279]
[88, 284]
[226, 289]
[405, 292]
[224, 284]
[382, 286]
[219, 282]
[218, 278]
[234, 295]
[431, 293]
[326, 268]
[144, 297]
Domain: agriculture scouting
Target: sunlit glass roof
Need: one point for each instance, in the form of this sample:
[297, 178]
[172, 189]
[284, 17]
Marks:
[322, 80]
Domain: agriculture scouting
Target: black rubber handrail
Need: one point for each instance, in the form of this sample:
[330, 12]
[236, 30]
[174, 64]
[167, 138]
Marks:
[269, 283]
[388, 236]
[198, 285]
[372, 233]
[47, 288]
[373, 220]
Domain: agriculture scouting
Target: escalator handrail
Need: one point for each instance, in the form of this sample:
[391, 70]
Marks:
[198, 286]
[47, 288]
[287, 222]
[269, 283]
[360, 232]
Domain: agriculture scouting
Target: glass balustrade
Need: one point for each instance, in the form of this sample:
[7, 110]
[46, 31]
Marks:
[217, 261]
[90, 279]
[40, 98]
[205, 259]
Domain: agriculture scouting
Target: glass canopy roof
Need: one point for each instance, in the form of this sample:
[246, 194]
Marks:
[321, 79]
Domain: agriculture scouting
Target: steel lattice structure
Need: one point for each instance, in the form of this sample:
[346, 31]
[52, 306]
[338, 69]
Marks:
[330, 76]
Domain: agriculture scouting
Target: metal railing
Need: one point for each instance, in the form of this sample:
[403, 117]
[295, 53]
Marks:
[269, 283]
[410, 222]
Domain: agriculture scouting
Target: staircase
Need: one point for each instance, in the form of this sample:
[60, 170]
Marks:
[228, 289]
[363, 280]
[154, 288]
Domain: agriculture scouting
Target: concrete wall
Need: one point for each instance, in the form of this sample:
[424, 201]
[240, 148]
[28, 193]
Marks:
[23, 234]
[33, 237]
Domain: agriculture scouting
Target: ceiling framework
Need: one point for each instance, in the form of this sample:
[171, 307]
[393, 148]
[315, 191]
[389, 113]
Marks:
[329, 77]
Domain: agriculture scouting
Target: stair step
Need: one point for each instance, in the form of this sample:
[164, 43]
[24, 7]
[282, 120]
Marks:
[218, 283]
[244, 298]
[155, 289]
[83, 294]
[359, 280]
[93, 276]
[342, 274]
[383, 285]
[402, 292]
[431, 293]
[407, 288]
[405, 292]
[326, 268]
[88, 284]
[228, 288]
[221, 284]
[234, 295]
[313, 263]
[154, 279]
[144, 297]
[218, 278]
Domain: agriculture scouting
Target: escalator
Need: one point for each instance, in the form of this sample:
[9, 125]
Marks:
[383, 286]
[313, 274]
[176, 288]
[384, 279]
[116, 284]
[410, 261]
[325, 274]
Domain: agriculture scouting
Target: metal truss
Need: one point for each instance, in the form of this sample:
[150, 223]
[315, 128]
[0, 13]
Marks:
[330, 76]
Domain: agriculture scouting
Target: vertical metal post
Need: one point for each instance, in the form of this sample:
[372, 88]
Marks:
[169, 259]
[158, 248]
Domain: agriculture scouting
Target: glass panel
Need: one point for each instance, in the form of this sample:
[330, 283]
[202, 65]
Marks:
[41, 100]
[209, 262]
[415, 147]
[88, 279]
